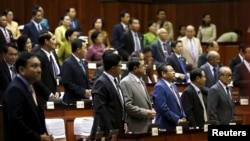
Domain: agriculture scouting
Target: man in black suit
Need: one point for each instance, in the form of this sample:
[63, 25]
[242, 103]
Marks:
[178, 63]
[212, 45]
[194, 98]
[74, 23]
[7, 68]
[131, 41]
[33, 28]
[161, 49]
[75, 74]
[23, 117]
[5, 35]
[119, 28]
[108, 99]
[241, 75]
[237, 59]
[47, 87]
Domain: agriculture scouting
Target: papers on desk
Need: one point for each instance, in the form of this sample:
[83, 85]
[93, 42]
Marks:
[56, 127]
[83, 125]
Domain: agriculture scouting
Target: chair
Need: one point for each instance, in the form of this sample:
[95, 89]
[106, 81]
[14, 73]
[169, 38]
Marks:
[56, 127]
[82, 127]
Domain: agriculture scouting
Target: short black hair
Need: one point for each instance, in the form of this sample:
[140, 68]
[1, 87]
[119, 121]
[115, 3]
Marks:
[133, 62]
[6, 11]
[35, 11]
[8, 45]
[174, 43]
[21, 41]
[146, 49]
[162, 67]
[94, 21]
[196, 73]
[108, 52]
[122, 13]
[77, 43]
[94, 35]
[160, 10]
[23, 59]
[69, 32]
[111, 60]
[242, 46]
[44, 35]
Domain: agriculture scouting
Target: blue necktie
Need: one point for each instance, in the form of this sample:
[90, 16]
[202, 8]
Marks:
[215, 75]
[81, 64]
[183, 67]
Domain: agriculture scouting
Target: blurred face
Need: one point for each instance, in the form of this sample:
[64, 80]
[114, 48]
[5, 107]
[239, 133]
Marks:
[73, 36]
[32, 71]
[141, 69]
[161, 15]
[82, 51]
[28, 45]
[72, 13]
[183, 31]
[215, 60]
[41, 9]
[190, 32]
[66, 21]
[207, 19]
[247, 54]
[202, 80]
[51, 43]
[11, 56]
[178, 48]
[38, 17]
[126, 18]
[215, 46]
[10, 16]
[163, 34]
[3, 21]
[226, 76]
[153, 28]
[117, 70]
[98, 24]
[135, 26]
[99, 39]
[169, 74]
[166, 26]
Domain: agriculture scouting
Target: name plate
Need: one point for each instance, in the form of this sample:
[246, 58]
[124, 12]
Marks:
[50, 105]
[205, 127]
[92, 65]
[154, 67]
[244, 101]
[124, 66]
[79, 104]
[232, 123]
[155, 131]
[179, 130]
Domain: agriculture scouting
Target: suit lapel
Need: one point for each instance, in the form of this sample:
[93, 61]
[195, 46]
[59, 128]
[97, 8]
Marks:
[7, 71]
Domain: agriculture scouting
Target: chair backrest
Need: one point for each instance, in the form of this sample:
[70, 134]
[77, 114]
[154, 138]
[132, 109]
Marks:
[83, 126]
[56, 127]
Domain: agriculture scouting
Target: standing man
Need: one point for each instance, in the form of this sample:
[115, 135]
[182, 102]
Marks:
[108, 99]
[166, 99]
[220, 104]
[75, 76]
[210, 46]
[131, 41]
[23, 117]
[137, 102]
[74, 22]
[238, 58]
[194, 99]
[7, 68]
[120, 28]
[191, 47]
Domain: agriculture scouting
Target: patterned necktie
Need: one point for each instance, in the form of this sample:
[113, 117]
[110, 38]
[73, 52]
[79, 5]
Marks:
[176, 96]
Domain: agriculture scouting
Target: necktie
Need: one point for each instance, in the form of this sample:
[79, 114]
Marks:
[118, 92]
[176, 96]
[203, 105]
[192, 47]
[34, 95]
[53, 66]
[142, 87]
[137, 44]
[165, 50]
[181, 61]
[13, 72]
[228, 93]
[126, 28]
[7, 37]
[73, 25]
[39, 28]
[215, 75]
[82, 66]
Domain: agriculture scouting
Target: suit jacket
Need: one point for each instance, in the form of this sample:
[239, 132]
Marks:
[202, 59]
[209, 75]
[137, 102]
[241, 79]
[186, 52]
[3, 41]
[75, 80]
[168, 111]
[127, 45]
[157, 52]
[220, 106]
[234, 61]
[23, 120]
[5, 78]
[78, 26]
[48, 83]
[30, 30]
[193, 107]
[174, 62]
[108, 111]
[117, 32]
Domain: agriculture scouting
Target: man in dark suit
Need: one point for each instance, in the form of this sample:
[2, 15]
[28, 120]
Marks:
[24, 118]
[178, 63]
[75, 74]
[33, 28]
[120, 28]
[108, 99]
[237, 59]
[166, 99]
[5, 35]
[211, 68]
[131, 41]
[194, 100]
[212, 45]
[7, 68]
[47, 87]
[241, 75]
[220, 104]
[161, 49]
[74, 23]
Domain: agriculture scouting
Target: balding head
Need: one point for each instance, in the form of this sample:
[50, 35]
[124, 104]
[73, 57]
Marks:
[163, 34]
[213, 57]
[190, 31]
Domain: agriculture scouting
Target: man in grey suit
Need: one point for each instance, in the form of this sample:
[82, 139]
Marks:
[219, 100]
[137, 102]
[211, 68]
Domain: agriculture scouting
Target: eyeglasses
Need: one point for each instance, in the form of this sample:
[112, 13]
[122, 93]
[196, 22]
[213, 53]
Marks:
[227, 75]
